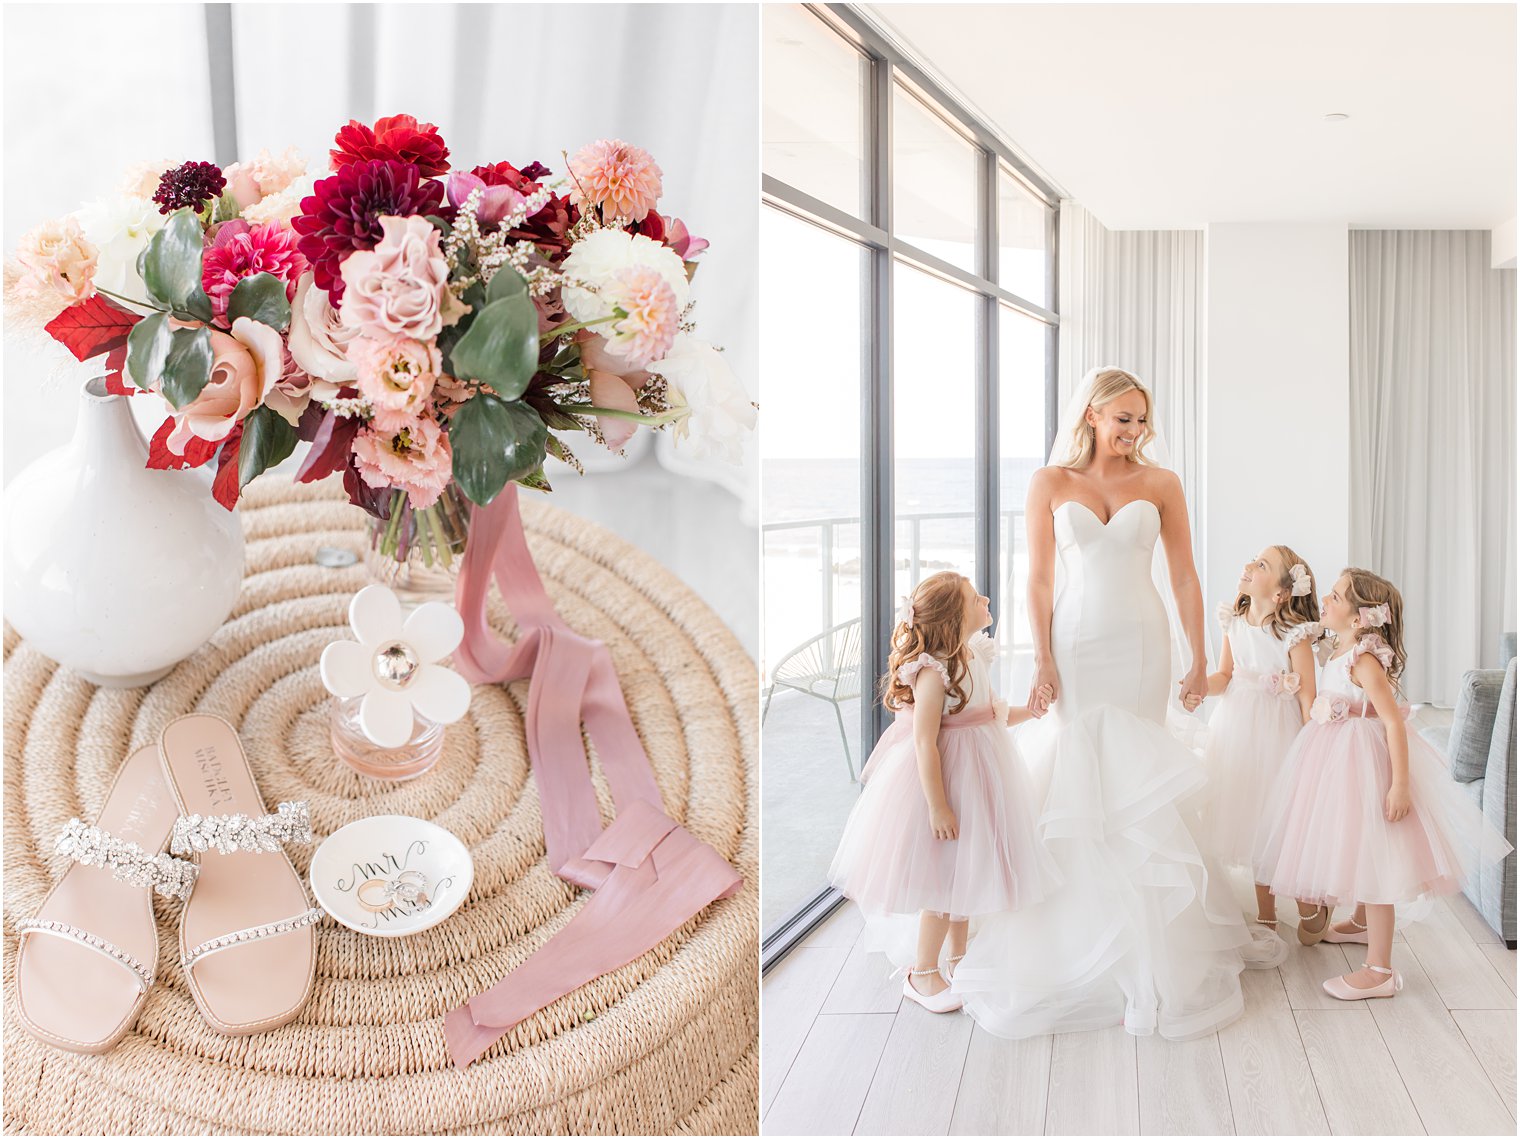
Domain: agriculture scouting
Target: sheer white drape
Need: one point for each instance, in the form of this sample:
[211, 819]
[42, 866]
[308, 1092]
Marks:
[1432, 442]
[1134, 298]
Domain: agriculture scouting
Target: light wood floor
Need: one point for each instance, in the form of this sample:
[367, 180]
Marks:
[842, 1052]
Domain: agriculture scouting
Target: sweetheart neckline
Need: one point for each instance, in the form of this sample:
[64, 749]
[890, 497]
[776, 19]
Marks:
[1094, 513]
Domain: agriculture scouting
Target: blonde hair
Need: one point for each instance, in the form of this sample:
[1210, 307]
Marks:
[939, 629]
[1294, 610]
[1365, 589]
[1108, 385]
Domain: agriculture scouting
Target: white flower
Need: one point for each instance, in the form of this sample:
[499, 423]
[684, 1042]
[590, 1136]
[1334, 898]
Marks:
[391, 665]
[596, 259]
[319, 340]
[120, 227]
[720, 411]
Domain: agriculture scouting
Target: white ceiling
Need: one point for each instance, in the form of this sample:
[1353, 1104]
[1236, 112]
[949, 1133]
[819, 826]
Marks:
[1166, 116]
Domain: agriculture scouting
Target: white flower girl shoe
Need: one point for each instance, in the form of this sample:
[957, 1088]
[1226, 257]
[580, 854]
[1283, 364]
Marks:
[945, 1001]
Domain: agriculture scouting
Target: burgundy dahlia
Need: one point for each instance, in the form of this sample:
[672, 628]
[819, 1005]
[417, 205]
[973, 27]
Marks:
[524, 181]
[191, 184]
[343, 214]
[400, 138]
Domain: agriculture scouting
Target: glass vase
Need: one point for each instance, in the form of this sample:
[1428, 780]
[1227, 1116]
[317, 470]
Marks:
[417, 553]
[395, 764]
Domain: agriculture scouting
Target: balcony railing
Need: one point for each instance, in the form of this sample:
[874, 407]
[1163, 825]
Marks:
[828, 541]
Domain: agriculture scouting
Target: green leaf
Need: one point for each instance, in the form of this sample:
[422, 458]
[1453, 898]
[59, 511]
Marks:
[226, 208]
[189, 365]
[171, 267]
[260, 297]
[267, 441]
[500, 347]
[506, 284]
[148, 349]
[536, 480]
[494, 441]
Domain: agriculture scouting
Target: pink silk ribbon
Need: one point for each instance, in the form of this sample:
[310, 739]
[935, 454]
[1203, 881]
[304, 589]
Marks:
[650, 874]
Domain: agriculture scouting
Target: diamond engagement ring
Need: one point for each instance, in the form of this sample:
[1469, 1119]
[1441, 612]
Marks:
[380, 894]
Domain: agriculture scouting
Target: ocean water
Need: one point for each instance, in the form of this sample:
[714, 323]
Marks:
[801, 596]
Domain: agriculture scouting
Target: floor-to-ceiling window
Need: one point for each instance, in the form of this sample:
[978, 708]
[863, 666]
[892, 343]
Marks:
[907, 370]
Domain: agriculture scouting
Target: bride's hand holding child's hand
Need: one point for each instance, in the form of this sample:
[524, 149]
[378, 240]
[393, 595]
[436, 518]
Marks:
[1042, 689]
[1194, 686]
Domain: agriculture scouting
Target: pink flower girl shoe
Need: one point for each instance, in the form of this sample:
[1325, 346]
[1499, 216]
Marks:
[1338, 987]
[1358, 933]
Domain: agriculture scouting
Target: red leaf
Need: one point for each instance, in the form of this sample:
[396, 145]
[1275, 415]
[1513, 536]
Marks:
[91, 327]
[225, 488]
[198, 453]
[329, 448]
[116, 376]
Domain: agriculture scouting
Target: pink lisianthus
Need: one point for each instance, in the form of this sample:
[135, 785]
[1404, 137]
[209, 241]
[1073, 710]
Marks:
[396, 375]
[401, 287]
[496, 202]
[59, 260]
[240, 250]
[245, 366]
[415, 458]
[620, 179]
[650, 315]
[614, 384]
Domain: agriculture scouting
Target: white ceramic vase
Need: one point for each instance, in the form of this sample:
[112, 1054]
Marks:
[112, 569]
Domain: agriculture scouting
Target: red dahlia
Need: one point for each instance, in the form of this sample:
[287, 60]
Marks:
[546, 229]
[343, 214]
[191, 184]
[400, 138]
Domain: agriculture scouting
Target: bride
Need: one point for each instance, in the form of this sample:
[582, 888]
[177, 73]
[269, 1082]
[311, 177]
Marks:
[1145, 929]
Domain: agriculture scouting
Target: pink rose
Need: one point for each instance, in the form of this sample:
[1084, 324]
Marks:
[245, 366]
[415, 458]
[396, 376]
[1329, 709]
[401, 287]
[58, 260]
[319, 339]
[293, 391]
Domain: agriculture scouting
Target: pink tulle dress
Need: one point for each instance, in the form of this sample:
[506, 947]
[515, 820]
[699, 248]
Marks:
[889, 861]
[1328, 840]
[1251, 729]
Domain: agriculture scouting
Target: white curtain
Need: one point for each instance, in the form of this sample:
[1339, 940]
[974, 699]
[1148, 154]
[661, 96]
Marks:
[1432, 443]
[1134, 299]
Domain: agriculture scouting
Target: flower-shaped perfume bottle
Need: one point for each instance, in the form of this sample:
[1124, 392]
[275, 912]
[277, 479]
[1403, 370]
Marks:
[393, 697]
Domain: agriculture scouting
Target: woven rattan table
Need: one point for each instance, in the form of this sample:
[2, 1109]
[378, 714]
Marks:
[665, 1044]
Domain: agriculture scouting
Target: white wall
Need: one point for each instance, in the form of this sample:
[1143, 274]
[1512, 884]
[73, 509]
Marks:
[1276, 397]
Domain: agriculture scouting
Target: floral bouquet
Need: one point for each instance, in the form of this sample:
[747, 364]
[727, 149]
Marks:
[433, 334]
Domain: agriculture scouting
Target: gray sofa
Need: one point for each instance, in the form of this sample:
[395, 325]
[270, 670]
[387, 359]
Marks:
[1481, 750]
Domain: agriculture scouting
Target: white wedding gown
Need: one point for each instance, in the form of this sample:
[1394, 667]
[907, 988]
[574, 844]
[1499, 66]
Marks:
[1145, 929]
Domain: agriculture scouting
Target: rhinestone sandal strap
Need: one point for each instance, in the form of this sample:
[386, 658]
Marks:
[89, 940]
[226, 834]
[253, 933]
[128, 861]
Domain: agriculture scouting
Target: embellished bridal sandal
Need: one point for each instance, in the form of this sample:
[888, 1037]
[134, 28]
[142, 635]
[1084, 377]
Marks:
[85, 962]
[944, 1001]
[1357, 935]
[1313, 936]
[247, 940]
[1342, 990]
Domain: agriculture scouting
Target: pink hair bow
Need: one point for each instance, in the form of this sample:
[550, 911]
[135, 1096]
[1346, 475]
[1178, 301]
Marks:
[1375, 615]
[905, 611]
[1283, 683]
[1331, 709]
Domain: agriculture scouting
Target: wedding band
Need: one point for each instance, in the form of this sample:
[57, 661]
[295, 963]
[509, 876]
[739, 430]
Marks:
[378, 889]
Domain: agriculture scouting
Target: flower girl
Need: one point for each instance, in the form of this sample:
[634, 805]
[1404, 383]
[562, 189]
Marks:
[1365, 811]
[1266, 684]
[945, 825]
